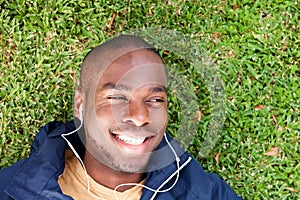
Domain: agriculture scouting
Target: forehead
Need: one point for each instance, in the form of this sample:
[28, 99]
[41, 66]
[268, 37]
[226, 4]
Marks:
[135, 69]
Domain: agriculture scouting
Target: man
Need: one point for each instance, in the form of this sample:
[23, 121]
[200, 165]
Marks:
[119, 150]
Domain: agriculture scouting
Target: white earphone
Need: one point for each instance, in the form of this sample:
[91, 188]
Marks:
[158, 190]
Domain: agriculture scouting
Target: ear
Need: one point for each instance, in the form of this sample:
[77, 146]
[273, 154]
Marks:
[78, 100]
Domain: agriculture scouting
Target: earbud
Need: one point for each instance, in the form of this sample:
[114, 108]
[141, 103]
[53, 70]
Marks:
[81, 112]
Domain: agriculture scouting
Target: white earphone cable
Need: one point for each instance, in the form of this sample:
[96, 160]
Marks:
[151, 189]
[125, 184]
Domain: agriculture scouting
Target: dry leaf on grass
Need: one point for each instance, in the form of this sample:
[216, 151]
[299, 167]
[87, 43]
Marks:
[111, 21]
[292, 189]
[259, 107]
[217, 158]
[198, 115]
[273, 152]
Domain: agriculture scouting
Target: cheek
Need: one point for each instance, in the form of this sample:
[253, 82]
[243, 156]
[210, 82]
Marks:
[111, 112]
[159, 118]
[105, 117]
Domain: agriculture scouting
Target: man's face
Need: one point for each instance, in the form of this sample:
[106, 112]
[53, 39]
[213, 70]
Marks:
[129, 113]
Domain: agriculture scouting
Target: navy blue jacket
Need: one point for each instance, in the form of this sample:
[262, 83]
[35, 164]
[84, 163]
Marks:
[36, 177]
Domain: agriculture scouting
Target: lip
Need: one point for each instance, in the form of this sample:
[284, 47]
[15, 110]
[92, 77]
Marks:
[136, 149]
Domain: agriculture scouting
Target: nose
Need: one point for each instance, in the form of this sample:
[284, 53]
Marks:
[137, 114]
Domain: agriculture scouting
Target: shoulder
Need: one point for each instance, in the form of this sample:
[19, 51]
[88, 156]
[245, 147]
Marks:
[7, 175]
[205, 185]
[47, 146]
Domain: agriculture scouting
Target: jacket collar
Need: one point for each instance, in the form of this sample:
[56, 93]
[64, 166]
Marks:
[165, 167]
[39, 173]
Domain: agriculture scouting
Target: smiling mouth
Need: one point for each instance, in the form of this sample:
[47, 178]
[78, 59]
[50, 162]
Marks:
[135, 141]
[128, 139]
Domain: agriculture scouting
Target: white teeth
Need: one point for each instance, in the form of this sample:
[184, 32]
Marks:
[131, 140]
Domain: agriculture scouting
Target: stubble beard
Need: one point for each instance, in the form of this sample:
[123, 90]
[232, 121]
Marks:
[135, 165]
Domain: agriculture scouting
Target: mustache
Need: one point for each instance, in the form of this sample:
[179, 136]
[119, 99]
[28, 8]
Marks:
[142, 131]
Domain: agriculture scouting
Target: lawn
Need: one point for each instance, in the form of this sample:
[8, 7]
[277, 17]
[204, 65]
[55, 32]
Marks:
[254, 45]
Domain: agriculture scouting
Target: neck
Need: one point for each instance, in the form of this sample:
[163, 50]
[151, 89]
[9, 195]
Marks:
[108, 177]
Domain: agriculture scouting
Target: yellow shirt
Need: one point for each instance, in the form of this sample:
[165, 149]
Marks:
[73, 182]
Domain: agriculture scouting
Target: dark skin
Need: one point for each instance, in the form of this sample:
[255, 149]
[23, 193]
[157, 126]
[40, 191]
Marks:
[131, 94]
[115, 178]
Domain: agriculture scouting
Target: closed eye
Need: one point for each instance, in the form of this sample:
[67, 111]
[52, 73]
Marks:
[117, 97]
[156, 100]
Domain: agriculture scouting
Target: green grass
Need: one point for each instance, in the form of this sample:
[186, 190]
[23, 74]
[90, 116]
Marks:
[256, 46]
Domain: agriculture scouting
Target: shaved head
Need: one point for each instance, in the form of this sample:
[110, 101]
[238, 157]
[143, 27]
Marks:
[123, 86]
[99, 58]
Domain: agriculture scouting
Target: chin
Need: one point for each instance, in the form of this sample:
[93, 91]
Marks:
[118, 159]
[133, 165]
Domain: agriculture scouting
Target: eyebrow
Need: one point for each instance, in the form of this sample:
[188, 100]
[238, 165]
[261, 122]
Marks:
[158, 89]
[110, 85]
[114, 86]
